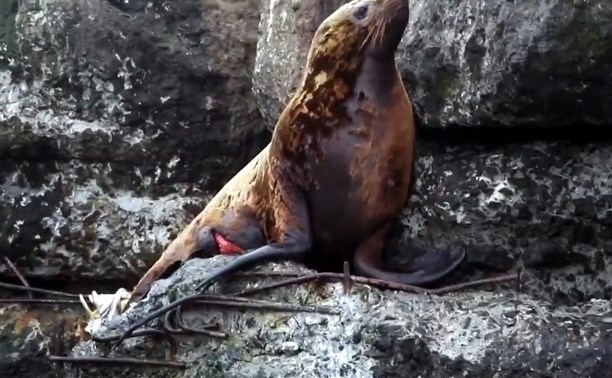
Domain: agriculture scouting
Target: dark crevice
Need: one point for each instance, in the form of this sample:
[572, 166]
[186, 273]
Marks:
[171, 269]
[504, 135]
[129, 6]
[40, 151]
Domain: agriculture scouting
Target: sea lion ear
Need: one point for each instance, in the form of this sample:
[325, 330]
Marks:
[361, 12]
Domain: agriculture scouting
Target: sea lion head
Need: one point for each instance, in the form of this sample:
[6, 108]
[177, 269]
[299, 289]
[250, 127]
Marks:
[357, 30]
[362, 27]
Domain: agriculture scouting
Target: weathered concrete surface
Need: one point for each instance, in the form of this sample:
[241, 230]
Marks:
[472, 63]
[376, 334]
[116, 120]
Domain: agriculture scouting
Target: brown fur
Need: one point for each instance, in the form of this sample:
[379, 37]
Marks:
[343, 123]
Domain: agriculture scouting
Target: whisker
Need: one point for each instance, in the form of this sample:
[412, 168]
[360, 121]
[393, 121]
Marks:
[383, 29]
[375, 37]
[379, 33]
[374, 34]
[366, 39]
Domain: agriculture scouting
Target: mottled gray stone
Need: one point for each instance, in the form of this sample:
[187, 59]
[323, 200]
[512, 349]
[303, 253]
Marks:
[542, 206]
[116, 120]
[27, 334]
[509, 63]
[472, 63]
[376, 333]
[72, 221]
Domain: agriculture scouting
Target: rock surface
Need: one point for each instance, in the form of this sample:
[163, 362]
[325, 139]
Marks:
[472, 63]
[374, 334]
[28, 333]
[95, 185]
[546, 206]
[116, 120]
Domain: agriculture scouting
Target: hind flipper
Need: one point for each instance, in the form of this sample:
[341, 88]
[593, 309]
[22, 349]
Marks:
[209, 234]
[425, 269]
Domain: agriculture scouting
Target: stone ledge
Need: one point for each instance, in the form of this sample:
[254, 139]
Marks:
[377, 333]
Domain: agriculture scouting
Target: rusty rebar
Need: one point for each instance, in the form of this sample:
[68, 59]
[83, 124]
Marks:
[117, 360]
[16, 271]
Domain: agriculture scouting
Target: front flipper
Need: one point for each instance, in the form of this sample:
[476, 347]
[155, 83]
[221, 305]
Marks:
[425, 269]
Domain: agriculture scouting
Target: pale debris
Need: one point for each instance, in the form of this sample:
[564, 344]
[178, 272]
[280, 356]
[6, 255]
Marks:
[105, 306]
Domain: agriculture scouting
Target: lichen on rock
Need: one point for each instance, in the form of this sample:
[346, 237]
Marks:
[375, 333]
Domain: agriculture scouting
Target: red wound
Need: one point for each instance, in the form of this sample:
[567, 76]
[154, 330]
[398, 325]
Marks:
[226, 247]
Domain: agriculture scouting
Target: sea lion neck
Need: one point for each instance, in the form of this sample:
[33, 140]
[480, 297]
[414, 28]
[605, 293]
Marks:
[377, 78]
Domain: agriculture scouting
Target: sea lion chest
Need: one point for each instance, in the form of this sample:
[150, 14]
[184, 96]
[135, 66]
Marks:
[361, 176]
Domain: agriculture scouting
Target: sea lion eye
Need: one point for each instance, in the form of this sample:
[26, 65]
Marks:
[361, 12]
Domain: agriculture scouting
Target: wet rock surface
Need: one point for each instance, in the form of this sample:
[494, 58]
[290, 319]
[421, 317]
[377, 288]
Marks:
[545, 206]
[116, 120]
[95, 185]
[375, 334]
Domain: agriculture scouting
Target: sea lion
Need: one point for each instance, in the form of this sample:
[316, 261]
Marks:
[338, 169]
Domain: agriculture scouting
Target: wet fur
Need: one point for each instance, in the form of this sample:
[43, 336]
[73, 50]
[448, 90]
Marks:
[339, 167]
